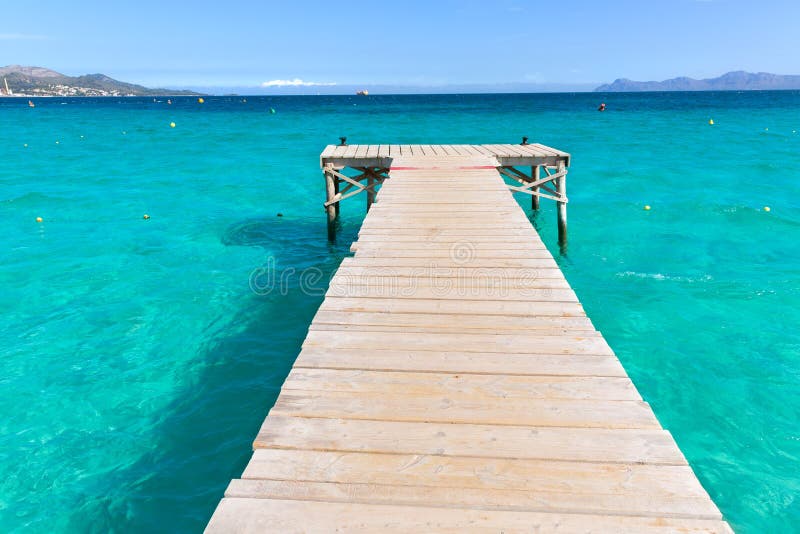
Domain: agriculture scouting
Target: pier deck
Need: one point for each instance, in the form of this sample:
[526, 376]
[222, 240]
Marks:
[451, 382]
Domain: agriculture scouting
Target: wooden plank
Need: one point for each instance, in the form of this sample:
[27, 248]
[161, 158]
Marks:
[440, 231]
[620, 445]
[535, 152]
[417, 329]
[259, 515]
[411, 240]
[449, 267]
[461, 281]
[506, 343]
[460, 362]
[483, 150]
[357, 274]
[549, 476]
[493, 386]
[450, 322]
[329, 151]
[454, 306]
[496, 499]
[350, 151]
[450, 290]
[393, 405]
[473, 251]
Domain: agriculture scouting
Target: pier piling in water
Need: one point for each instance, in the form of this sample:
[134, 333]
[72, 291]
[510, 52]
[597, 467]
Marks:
[561, 203]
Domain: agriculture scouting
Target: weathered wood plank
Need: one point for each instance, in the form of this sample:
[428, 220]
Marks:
[620, 445]
[421, 329]
[493, 499]
[394, 405]
[506, 343]
[461, 362]
[455, 306]
[409, 289]
[493, 323]
[582, 478]
[495, 386]
[246, 516]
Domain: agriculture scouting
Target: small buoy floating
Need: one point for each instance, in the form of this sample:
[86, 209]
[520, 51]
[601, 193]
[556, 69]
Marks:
[172, 125]
[39, 219]
[200, 100]
[647, 207]
[767, 208]
[272, 110]
[711, 122]
[145, 216]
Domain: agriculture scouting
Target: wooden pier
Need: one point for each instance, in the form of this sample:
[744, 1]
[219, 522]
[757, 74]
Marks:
[451, 381]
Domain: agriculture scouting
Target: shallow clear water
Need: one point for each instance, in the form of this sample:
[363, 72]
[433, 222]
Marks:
[136, 362]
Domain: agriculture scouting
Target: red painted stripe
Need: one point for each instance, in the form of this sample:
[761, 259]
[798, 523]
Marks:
[432, 168]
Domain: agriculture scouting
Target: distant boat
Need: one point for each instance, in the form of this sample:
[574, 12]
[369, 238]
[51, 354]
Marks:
[363, 92]
[31, 104]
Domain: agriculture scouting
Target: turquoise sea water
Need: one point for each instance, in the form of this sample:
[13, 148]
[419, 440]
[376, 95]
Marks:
[136, 363]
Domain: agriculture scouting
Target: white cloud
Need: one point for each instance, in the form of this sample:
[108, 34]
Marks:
[297, 82]
[20, 37]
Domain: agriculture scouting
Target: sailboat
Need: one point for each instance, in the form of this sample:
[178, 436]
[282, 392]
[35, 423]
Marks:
[8, 91]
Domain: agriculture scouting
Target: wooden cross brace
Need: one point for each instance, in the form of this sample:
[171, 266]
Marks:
[374, 176]
[530, 183]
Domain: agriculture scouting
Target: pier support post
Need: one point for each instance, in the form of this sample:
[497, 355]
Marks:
[336, 192]
[561, 189]
[370, 191]
[332, 209]
[535, 198]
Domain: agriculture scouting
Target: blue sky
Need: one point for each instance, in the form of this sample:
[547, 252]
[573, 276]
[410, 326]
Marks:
[237, 43]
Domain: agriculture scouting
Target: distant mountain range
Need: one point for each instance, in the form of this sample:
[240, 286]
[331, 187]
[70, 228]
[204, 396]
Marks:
[38, 81]
[732, 81]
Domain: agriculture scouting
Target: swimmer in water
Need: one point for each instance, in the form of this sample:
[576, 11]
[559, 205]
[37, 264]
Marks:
[602, 107]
